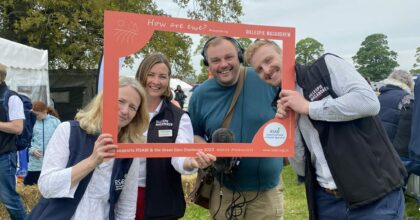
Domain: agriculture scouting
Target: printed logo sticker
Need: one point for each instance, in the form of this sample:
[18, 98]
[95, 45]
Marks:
[275, 134]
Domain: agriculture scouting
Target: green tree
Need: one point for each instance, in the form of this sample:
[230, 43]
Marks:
[308, 50]
[202, 77]
[212, 10]
[374, 59]
[72, 31]
[416, 65]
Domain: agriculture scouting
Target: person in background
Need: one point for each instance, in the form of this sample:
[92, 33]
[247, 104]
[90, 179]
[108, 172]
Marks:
[180, 96]
[47, 120]
[412, 163]
[351, 169]
[173, 101]
[253, 190]
[8, 156]
[394, 97]
[80, 177]
[160, 194]
[406, 132]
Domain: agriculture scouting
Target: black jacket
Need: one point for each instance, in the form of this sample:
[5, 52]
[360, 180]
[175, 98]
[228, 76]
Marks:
[164, 195]
[7, 140]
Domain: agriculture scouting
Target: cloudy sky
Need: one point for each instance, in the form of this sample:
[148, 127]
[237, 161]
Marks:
[340, 25]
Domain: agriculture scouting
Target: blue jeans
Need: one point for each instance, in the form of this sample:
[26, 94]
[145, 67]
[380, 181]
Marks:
[8, 195]
[389, 207]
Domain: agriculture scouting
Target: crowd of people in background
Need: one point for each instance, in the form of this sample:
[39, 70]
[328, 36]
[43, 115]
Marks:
[354, 149]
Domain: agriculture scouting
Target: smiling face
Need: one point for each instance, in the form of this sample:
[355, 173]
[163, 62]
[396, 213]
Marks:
[157, 81]
[223, 62]
[267, 62]
[128, 102]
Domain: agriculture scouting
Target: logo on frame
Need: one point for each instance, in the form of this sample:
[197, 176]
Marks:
[275, 134]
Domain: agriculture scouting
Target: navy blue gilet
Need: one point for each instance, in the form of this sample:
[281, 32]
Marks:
[164, 197]
[362, 160]
[390, 99]
[7, 140]
[81, 146]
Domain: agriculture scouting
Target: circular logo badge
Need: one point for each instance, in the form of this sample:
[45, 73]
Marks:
[274, 134]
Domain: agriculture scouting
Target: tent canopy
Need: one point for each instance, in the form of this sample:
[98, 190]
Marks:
[27, 69]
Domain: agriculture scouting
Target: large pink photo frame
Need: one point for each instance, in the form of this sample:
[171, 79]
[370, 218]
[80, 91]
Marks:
[126, 33]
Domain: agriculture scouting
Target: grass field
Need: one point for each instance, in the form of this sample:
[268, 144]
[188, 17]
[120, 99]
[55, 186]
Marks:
[295, 201]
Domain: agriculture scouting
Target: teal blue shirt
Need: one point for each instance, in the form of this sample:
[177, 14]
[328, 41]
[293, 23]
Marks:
[207, 108]
[43, 130]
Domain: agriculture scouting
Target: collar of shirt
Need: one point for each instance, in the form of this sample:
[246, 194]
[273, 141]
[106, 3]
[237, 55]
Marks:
[157, 110]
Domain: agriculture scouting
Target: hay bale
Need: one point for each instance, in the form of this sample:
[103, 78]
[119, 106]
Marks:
[30, 196]
[188, 183]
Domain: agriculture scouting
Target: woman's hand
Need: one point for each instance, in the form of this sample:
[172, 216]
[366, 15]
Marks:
[37, 153]
[103, 149]
[202, 161]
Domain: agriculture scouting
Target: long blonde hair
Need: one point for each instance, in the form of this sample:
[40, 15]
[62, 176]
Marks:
[90, 117]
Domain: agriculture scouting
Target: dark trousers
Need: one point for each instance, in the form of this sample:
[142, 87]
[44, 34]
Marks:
[31, 178]
[389, 207]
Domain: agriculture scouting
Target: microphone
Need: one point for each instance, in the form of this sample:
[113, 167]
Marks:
[224, 165]
[222, 135]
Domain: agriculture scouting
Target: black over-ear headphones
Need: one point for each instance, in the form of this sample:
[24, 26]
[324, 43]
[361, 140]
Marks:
[238, 46]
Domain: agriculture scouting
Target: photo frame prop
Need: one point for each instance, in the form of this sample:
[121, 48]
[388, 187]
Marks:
[126, 33]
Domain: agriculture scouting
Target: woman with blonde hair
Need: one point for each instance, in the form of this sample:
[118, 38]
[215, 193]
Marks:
[160, 194]
[47, 120]
[80, 178]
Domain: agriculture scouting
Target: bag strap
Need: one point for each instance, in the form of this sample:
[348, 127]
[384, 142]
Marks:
[229, 114]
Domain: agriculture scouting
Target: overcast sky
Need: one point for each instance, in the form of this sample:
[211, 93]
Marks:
[340, 25]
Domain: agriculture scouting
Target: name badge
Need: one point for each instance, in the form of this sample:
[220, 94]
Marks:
[165, 133]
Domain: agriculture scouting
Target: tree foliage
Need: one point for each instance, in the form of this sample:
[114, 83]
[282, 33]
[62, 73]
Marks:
[72, 31]
[374, 59]
[202, 77]
[416, 65]
[212, 10]
[308, 50]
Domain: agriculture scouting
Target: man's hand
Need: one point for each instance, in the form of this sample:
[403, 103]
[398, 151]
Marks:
[293, 100]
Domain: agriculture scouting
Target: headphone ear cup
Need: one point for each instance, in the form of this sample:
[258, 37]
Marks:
[205, 62]
[241, 54]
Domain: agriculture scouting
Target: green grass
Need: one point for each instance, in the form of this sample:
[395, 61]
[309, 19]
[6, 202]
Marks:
[295, 202]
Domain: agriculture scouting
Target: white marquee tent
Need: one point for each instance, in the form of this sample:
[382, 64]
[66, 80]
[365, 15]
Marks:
[27, 69]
